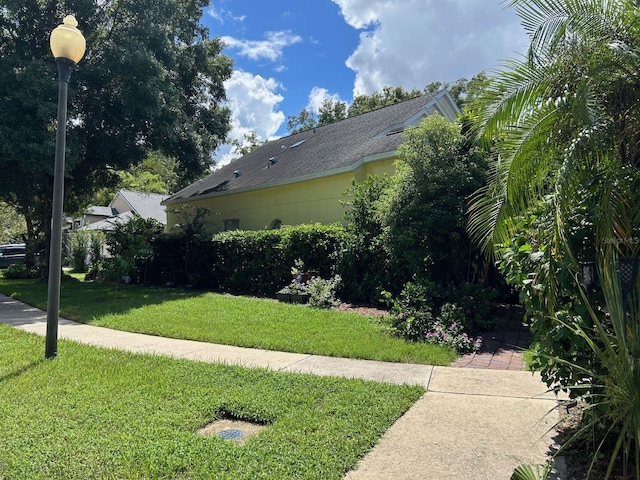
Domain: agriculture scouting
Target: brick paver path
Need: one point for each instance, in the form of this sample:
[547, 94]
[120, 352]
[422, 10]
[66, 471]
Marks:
[501, 347]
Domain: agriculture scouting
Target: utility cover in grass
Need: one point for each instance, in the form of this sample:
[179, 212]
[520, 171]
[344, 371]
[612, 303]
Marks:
[227, 428]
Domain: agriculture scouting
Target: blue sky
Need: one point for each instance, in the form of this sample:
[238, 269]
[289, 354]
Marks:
[292, 54]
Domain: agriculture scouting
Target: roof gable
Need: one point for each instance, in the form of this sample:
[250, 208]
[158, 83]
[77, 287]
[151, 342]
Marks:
[147, 205]
[333, 148]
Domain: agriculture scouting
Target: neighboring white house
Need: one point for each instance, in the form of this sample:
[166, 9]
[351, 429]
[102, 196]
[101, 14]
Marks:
[124, 206]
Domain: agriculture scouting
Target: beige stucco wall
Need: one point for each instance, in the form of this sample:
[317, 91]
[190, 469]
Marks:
[310, 201]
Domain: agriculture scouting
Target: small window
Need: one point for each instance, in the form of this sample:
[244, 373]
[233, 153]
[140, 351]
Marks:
[276, 224]
[233, 224]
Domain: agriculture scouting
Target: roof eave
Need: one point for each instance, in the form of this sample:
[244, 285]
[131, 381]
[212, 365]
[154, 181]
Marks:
[304, 178]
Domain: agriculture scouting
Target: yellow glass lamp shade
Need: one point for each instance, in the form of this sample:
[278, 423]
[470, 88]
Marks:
[66, 40]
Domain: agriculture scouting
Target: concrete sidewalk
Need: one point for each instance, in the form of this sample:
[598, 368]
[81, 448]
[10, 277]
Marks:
[471, 423]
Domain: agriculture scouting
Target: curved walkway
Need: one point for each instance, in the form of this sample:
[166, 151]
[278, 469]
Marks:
[471, 423]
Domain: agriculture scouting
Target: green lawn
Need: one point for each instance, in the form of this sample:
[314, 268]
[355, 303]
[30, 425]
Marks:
[230, 320]
[94, 414]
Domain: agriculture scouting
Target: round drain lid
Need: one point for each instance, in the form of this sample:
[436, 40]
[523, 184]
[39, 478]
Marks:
[231, 434]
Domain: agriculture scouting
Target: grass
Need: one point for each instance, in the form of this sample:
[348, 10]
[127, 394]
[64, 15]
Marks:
[229, 320]
[96, 413]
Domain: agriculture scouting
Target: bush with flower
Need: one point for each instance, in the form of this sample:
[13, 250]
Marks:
[449, 329]
[412, 318]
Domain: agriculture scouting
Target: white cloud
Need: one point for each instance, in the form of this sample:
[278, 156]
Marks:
[271, 48]
[319, 95]
[253, 101]
[411, 43]
[215, 14]
[220, 14]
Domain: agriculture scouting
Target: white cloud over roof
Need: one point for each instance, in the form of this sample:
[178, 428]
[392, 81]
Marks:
[405, 42]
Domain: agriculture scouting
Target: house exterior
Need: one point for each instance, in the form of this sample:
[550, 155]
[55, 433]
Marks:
[124, 206]
[301, 178]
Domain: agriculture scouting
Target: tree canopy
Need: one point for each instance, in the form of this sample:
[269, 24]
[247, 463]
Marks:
[425, 208]
[464, 92]
[151, 80]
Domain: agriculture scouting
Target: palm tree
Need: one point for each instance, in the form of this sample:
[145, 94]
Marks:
[565, 120]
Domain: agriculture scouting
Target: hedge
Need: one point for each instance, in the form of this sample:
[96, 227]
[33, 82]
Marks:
[246, 262]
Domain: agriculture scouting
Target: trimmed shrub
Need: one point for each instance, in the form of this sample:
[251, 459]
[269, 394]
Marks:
[249, 262]
[18, 272]
[317, 246]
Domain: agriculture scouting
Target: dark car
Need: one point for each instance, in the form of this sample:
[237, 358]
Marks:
[11, 254]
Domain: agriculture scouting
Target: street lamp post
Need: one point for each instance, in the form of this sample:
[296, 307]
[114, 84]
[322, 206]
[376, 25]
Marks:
[68, 46]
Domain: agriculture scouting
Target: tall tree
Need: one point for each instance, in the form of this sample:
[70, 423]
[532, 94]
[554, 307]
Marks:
[305, 120]
[248, 144]
[151, 79]
[437, 169]
[331, 111]
[388, 96]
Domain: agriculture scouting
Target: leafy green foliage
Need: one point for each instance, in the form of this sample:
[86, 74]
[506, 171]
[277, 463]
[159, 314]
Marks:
[532, 472]
[316, 245]
[329, 112]
[564, 118]
[390, 95]
[612, 379]
[563, 190]
[425, 210]
[412, 318]
[86, 249]
[13, 228]
[248, 144]
[547, 287]
[476, 300]
[322, 293]
[463, 91]
[249, 262]
[131, 248]
[363, 262]
[151, 80]
[18, 271]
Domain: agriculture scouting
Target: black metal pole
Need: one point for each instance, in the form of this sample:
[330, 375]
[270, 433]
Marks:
[55, 250]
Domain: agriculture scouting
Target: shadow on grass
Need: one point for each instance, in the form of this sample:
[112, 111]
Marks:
[85, 301]
[22, 370]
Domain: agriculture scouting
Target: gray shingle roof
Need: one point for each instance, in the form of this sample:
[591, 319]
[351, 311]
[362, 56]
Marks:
[100, 211]
[109, 224]
[147, 205]
[320, 151]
